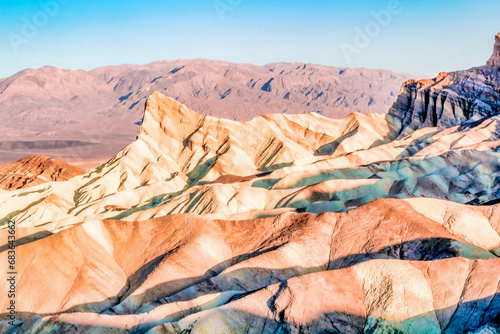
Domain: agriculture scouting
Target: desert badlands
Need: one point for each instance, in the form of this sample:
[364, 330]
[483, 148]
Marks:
[285, 223]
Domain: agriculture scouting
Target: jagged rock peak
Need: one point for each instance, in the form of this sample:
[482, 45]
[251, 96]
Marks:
[450, 99]
[163, 112]
[494, 60]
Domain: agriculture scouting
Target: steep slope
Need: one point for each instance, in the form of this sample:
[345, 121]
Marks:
[34, 170]
[463, 97]
[277, 163]
[84, 118]
[305, 162]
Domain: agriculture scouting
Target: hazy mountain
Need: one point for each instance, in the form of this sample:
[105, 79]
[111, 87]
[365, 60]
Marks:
[244, 91]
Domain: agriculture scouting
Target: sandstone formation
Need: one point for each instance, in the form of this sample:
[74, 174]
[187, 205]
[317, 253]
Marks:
[34, 170]
[494, 60]
[416, 271]
[84, 118]
[380, 223]
[278, 162]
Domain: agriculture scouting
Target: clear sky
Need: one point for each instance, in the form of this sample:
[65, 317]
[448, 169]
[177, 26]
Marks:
[418, 37]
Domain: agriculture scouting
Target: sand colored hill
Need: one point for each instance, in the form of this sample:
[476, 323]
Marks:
[34, 170]
[212, 261]
[277, 162]
[411, 273]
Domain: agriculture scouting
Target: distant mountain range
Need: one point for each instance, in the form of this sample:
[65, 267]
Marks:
[85, 117]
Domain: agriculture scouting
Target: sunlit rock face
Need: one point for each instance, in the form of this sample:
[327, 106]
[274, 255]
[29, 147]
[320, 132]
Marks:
[183, 162]
[180, 160]
[494, 61]
[280, 224]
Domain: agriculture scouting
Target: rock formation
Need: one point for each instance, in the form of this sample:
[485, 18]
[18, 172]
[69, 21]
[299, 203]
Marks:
[34, 170]
[416, 271]
[494, 61]
[451, 99]
[293, 162]
[281, 224]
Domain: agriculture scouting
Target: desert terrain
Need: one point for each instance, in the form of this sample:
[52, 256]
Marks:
[279, 223]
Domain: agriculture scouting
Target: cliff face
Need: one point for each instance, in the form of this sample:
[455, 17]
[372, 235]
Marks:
[494, 61]
[451, 98]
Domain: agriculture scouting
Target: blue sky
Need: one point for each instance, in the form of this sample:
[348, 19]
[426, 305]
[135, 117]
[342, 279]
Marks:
[419, 37]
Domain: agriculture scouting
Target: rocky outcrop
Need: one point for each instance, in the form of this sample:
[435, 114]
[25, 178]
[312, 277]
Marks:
[450, 99]
[494, 61]
[34, 170]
